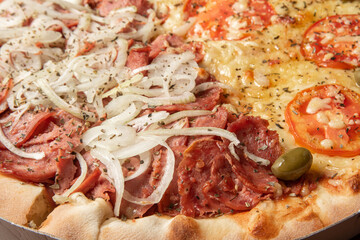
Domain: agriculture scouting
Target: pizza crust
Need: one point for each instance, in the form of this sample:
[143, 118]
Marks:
[335, 199]
[269, 220]
[31, 208]
[79, 219]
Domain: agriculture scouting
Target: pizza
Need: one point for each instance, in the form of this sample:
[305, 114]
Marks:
[179, 119]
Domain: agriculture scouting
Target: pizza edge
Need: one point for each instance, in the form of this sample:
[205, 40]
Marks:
[93, 219]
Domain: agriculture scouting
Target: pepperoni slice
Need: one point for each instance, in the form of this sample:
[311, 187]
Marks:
[326, 119]
[229, 19]
[333, 42]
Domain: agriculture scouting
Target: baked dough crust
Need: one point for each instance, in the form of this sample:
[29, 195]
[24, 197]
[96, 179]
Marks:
[269, 220]
[335, 199]
[30, 209]
[79, 219]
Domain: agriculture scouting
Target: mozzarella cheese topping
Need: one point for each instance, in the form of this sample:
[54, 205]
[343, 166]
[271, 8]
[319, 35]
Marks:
[316, 104]
[327, 143]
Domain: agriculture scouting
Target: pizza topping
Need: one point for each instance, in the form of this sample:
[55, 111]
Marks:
[325, 119]
[106, 6]
[207, 184]
[333, 42]
[6, 142]
[316, 104]
[327, 144]
[293, 164]
[55, 138]
[81, 178]
[213, 179]
[229, 20]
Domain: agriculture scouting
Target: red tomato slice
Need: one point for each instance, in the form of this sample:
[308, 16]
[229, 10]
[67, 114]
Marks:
[191, 7]
[333, 42]
[222, 17]
[332, 126]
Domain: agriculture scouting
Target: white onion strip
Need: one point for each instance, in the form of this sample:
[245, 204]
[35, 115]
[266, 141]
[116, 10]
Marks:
[158, 193]
[113, 108]
[146, 158]
[53, 97]
[127, 115]
[207, 85]
[195, 131]
[145, 120]
[81, 178]
[115, 173]
[136, 149]
[6, 142]
[259, 160]
[176, 116]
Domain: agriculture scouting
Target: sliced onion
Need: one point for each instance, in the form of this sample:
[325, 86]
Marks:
[109, 137]
[12, 32]
[71, 4]
[127, 83]
[53, 97]
[259, 160]
[140, 146]
[176, 116]
[117, 104]
[207, 85]
[114, 171]
[82, 176]
[144, 121]
[6, 142]
[130, 113]
[49, 36]
[195, 131]
[146, 158]
[164, 183]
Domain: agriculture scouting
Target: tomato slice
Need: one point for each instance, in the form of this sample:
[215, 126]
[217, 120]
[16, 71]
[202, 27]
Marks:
[326, 119]
[192, 7]
[333, 42]
[228, 19]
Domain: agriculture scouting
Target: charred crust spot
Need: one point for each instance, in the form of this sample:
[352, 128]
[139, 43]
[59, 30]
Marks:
[264, 227]
[309, 217]
[354, 183]
[183, 228]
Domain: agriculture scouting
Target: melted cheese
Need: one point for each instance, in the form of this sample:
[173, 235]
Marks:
[327, 143]
[240, 6]
[321, 117]
[337, 123]
[316, 104]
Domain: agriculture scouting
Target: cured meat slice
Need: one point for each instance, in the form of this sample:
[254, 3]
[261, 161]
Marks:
[106, 6]
[208, 184]
[172, 42]
[24, 129]
[256, 137]
[138, 57]
[59, 135]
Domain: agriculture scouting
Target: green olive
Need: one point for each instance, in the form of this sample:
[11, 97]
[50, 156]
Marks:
[293, 164]
[357, 76]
